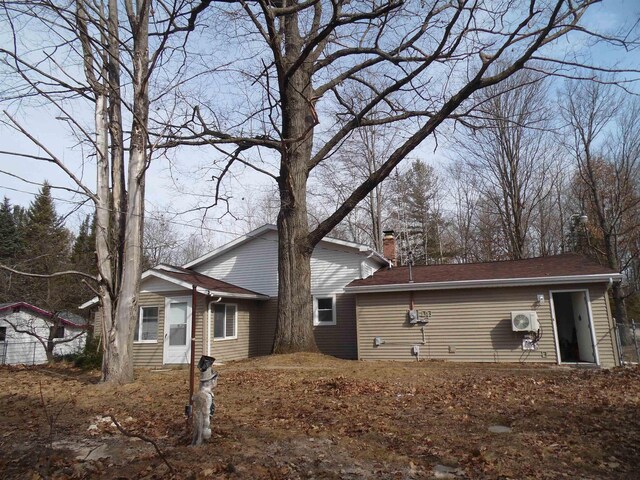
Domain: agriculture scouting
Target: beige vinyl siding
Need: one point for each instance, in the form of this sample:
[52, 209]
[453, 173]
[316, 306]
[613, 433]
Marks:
[149, 355]
[339, 340]
[97, 323]
[471, 325]
[604, 326]
[267, 315]
[247, 342]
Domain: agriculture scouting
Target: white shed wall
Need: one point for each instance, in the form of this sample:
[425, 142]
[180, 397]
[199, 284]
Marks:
[22, 348]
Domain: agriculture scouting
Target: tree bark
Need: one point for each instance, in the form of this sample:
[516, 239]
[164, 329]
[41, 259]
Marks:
[294, 327]
[117, 365]
[119, 194]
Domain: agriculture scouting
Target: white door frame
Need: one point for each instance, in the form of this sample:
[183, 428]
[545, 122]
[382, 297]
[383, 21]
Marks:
[167, 302]
[555, 324]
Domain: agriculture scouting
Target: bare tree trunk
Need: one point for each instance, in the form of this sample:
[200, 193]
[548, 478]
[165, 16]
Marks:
[119, 196]
[294, 256]
[50, 343]
[117, 361]
[294, 286]
[294, 330]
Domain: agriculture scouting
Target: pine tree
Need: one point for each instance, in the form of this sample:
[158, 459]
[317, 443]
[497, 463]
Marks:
[83, 252]
[46, 251]
[83, 259]
[10, 241]
[11, 248]
[417, 192]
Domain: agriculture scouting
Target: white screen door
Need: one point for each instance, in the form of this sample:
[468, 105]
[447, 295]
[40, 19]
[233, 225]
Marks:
[177, 330]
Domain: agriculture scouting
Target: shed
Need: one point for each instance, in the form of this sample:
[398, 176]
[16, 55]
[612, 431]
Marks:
[25, 329]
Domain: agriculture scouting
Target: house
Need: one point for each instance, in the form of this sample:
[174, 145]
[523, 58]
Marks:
[550, 310]
[236, 301]
[24, 328]
[365, 309]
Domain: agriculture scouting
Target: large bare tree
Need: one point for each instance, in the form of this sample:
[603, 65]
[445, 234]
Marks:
[605, 133]
[292, 66]
[93, 59]
[511, 151]
[358, 157]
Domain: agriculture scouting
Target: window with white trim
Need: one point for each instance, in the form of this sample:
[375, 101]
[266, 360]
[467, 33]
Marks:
[324, 310]
[147, 325]
[225, 320]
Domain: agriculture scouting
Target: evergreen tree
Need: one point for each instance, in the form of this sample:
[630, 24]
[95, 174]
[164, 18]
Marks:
[46, 251]
[10, 241]
[10, 250]
[83, 259]
[421, 222]
[83, 252]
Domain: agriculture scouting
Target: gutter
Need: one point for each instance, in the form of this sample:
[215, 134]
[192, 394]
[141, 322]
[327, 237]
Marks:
[487, 283]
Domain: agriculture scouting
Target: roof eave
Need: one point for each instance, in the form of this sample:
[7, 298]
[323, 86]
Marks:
[210, 292]
[43, 313]
[270, 228]
[502, 282]
[247, 296]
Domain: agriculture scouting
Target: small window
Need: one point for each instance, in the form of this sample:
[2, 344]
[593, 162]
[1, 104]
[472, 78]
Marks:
[324, 310]
[147, 325]
[225, 321]
[3, 334]
[57, 332]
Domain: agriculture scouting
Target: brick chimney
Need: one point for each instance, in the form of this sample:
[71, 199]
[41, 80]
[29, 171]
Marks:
[389, 247]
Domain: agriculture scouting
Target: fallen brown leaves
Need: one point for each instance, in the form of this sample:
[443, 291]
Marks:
[310, 416]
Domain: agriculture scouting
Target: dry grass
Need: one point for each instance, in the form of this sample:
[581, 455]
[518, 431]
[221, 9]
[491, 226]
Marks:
[312, 416]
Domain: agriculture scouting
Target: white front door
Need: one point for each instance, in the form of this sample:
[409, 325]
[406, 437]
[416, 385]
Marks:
[177, 330]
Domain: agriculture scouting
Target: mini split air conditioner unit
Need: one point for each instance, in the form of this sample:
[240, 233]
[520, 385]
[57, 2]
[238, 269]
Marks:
[526, 321]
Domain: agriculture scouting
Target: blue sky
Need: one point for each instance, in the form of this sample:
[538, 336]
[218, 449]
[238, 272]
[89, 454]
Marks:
[166, 185]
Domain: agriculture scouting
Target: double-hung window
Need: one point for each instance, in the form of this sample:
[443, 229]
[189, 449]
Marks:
[225, 321]
[147, 325]
[324, 310]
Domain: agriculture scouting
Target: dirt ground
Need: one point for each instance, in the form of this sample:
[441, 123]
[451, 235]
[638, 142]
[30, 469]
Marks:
[309, 416]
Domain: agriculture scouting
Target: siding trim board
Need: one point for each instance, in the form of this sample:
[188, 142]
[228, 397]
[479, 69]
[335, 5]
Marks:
[501, 282]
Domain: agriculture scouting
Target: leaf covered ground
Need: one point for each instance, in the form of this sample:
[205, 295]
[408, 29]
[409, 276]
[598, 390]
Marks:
[310, 416]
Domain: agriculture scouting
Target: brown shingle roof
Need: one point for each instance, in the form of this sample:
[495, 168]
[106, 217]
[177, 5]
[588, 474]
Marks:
[554, 266]
[204, 281]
